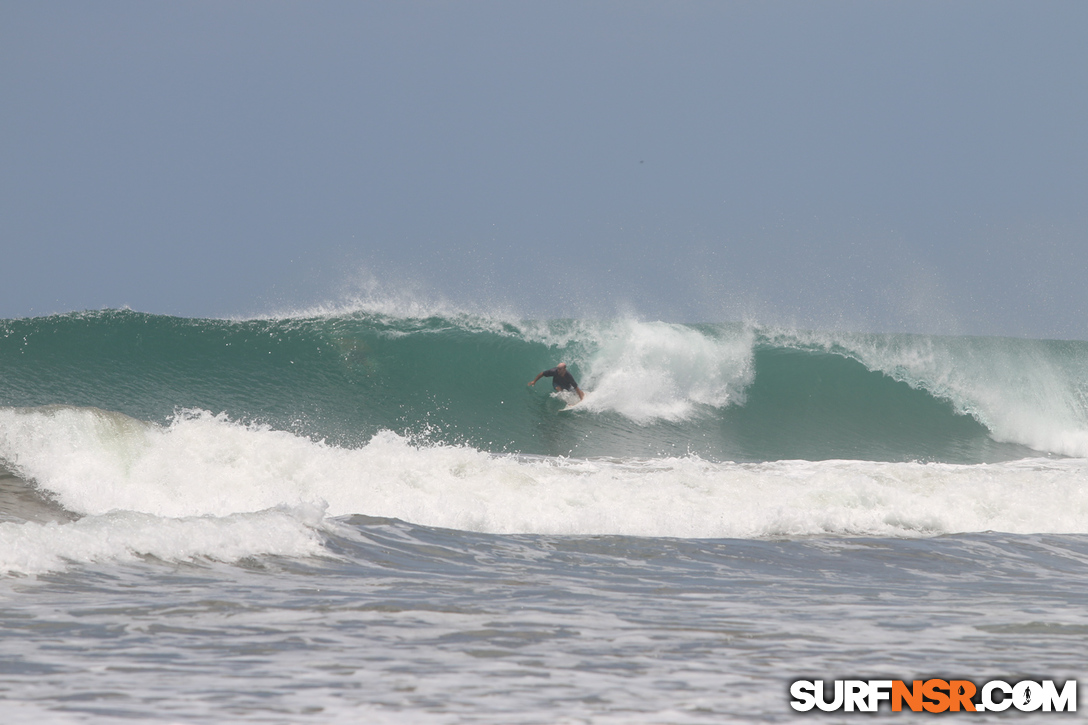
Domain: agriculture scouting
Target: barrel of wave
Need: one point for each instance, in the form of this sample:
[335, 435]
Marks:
[1030, 392]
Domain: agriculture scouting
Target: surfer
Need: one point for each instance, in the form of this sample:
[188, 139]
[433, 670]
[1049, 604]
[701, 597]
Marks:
[561, 380]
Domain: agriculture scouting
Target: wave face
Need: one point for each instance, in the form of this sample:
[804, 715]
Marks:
[723, 392]
[687, 430]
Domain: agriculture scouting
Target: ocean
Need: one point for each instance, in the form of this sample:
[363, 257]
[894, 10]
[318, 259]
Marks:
[367, 515]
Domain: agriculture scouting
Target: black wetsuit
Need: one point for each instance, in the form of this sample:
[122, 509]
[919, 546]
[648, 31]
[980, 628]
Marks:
[563, 381]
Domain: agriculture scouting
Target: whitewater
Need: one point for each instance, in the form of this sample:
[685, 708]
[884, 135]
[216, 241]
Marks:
[368, 513]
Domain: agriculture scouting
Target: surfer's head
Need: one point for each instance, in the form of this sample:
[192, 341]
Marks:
[561, 367]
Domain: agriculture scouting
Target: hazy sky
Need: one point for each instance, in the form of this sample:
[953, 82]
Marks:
[883, 165]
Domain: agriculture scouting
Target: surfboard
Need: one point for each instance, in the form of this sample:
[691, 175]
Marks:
[572, 400]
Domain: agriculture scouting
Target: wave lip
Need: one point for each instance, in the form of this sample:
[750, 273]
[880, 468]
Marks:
[1029, 392]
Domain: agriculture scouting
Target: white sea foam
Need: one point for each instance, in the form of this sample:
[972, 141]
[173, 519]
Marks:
[648, 371]
[32, 548]
[205, 465]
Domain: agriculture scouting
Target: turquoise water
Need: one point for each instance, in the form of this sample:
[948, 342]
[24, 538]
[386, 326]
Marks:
[723, 392]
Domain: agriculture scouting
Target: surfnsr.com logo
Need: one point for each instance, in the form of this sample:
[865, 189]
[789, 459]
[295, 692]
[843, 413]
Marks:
[933, 696]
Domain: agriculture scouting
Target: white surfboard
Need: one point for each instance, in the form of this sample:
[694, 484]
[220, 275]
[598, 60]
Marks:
[572, 400]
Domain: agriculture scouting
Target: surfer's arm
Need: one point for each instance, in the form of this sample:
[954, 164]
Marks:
[581, 395]
[538, 377]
